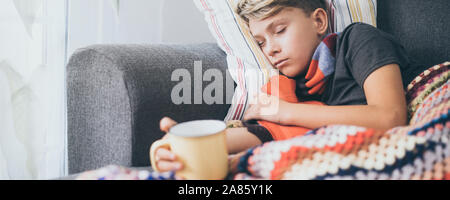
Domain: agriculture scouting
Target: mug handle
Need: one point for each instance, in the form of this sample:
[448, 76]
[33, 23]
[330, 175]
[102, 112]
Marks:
[156, 145]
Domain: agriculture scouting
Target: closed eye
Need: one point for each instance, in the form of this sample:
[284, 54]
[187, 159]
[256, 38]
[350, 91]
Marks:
[281, 30]
[260, 44]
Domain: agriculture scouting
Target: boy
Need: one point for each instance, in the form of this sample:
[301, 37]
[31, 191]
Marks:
[366, 87]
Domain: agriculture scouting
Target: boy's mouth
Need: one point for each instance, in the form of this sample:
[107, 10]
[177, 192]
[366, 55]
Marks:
[280, 63]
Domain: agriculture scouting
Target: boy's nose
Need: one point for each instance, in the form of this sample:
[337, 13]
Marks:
[273, 49]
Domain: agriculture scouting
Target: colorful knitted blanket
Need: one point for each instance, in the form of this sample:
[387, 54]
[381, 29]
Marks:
[418, 151]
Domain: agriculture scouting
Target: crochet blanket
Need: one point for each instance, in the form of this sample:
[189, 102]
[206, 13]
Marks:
[420, 150]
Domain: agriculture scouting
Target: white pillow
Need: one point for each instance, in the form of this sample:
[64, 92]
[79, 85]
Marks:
[246, 62]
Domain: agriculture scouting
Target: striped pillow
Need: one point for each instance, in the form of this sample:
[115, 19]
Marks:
[345, 12]
[247, 64]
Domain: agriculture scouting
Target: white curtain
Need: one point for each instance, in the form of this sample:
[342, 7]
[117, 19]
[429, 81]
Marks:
[36, 39]
[32, 89]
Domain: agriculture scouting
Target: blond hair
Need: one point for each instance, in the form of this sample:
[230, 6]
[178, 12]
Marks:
[261, 9]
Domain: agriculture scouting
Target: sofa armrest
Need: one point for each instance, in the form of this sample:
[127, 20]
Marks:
[117, 95]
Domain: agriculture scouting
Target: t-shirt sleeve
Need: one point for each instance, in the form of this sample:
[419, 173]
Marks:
[259, 131]
[369, 49]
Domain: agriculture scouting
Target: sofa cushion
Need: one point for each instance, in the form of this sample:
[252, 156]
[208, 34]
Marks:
[421, 27]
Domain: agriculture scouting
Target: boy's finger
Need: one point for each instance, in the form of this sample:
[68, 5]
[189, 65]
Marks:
[248, 114]
[169, 166]
[165, 154]
[166, 123]
[264, 99]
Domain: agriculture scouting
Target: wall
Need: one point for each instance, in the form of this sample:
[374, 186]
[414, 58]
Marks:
[183, 23]
[138, 21]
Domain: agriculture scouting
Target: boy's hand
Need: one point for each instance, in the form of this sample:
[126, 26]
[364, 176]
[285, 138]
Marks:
[266, 107]
[165, 159]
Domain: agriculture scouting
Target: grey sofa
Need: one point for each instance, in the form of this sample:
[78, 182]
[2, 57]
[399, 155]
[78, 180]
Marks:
[118, 93]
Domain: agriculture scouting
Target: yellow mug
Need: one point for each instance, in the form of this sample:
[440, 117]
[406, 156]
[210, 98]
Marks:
[200, 145]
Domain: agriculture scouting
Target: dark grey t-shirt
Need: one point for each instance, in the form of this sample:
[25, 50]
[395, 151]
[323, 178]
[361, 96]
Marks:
[360, 50]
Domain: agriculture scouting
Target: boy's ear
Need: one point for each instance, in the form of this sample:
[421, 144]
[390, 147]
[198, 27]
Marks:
[320, 18]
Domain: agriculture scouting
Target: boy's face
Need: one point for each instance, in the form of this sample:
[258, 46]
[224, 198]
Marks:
[288, 39]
